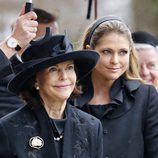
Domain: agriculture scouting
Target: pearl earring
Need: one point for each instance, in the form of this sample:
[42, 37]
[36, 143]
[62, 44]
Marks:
[37, 87]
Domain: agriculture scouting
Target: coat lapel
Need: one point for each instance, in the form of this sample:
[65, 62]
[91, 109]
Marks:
[74, 144]
[68, 134]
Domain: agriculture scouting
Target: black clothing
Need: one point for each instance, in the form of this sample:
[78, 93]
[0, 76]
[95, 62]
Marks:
[58, 130]
[5, 68]
[82, 134]
[130, 121]
[8, 100]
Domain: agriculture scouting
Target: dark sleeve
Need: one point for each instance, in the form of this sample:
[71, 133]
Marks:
[5, 66]
[4, 144]
[151, 125]
[14, 61]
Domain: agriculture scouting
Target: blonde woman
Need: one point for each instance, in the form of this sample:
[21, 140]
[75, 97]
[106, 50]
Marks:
[114, 93]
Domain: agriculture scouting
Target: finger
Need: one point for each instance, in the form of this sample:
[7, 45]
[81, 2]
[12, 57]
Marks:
[22, 12]
[33, 35]
[31, 23]
[33, 29]
[30, 15]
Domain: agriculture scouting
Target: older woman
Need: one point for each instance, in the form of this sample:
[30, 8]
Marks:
[114, 93]
[146, 46]
[48, 126]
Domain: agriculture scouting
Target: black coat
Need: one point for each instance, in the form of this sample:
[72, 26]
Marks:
[82, 134]
[8, 101]
[5, 68]
[130, 123]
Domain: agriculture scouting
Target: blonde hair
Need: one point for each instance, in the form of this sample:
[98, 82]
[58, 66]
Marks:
[118, 27]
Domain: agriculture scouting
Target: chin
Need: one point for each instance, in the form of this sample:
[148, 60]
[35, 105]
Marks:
[114, 77]
[64, 97]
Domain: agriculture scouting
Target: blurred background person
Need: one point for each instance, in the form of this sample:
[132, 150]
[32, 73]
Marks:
[22, 33]
[9, 101]
[45, 19]
[146, 46]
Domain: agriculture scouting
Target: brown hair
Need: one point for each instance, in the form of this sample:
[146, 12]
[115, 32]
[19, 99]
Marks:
[44, 17]
[118, 27]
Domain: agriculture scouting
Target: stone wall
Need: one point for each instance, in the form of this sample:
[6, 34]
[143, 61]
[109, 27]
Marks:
[145, 14]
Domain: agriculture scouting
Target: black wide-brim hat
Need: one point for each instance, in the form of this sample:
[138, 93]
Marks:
[56, 50]
[142, 37]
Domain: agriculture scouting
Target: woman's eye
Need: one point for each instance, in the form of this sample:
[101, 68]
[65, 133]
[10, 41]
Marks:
[53, 69]
[123, 52]
[70, 67]
[106, 52]
[152, 66]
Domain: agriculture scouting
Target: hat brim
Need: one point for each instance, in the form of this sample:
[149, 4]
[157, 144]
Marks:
[85, 61]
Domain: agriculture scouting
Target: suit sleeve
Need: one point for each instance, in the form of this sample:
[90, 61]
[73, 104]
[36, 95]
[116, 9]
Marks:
[5, 66]
[151, 125]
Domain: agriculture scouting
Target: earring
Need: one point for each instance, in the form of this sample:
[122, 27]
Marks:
[37, 87]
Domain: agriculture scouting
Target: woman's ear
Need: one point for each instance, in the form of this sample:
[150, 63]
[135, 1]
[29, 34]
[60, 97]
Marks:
[87, 46]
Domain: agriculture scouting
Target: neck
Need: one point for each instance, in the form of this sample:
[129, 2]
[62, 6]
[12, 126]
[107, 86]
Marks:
[101, 88]
[55, 109]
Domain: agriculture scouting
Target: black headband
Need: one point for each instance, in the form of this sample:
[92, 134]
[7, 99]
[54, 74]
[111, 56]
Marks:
[97, 23]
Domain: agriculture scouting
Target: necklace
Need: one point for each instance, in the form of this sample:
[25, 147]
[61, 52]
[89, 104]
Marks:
[59, 137]
[57, 129]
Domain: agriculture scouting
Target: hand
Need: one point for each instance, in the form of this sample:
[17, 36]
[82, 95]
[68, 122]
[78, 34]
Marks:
[23, 30]
[25, 27]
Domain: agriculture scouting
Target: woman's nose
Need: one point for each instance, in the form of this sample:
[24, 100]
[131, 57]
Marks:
[114, 59]
[63, 74]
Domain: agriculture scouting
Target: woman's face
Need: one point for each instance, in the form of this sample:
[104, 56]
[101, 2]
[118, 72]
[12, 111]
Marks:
[58, 81]
[114, 50]
[148, 58]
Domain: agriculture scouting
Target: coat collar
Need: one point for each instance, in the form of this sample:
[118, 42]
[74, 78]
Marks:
[122, 94]
[123, 85]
